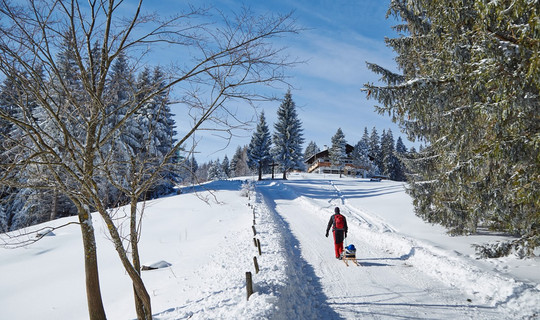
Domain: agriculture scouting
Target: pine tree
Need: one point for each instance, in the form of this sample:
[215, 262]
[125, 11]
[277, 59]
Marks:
[234, 162]
[238, 166]
[360, 157]
[337, 152]
[188, 169]
[401, 154]
[470, 89]
[9, 148]
[287, 137]
[215, 171]
[375, 149]
[311, 150]
[389, 161]
[225, 166]
[258, 151]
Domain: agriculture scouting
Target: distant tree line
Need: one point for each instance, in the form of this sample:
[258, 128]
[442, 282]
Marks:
[379, 155]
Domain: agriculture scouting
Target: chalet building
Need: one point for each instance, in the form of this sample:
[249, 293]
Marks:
[320, 163]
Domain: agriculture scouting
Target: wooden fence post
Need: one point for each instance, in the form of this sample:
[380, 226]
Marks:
[254, 231]
[249, 284]
[256, 264]
[259, 246]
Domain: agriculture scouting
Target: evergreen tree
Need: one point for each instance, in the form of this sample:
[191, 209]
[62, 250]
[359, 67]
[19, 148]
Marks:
[469, 87]
[311, 150]
[119, 150]
[401, 153]
[337, 152]
[225, 166]
[258, 151]
[234, 162]
[375, 149]
[360, 157]
[39, 200]
[391, 164]
[10, 146]
[188, 170]
[238, 166]
[215, 171]
[287, 137]
[366, 140]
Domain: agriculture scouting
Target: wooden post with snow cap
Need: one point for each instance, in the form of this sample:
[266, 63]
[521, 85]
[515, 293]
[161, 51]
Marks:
[259, 246]
[256, 264]
[249, 285]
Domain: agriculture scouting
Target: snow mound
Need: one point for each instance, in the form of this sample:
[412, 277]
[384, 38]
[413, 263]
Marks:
[157, 265]
[46, 232]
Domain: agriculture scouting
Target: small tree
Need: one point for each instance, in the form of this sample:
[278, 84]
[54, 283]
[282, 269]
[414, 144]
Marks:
[258, 151]
[288, 137]
[337, 152]
[311, 150]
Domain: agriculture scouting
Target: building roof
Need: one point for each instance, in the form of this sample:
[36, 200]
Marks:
[325, 154]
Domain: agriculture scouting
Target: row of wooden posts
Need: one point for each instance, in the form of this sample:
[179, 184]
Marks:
[257, 243]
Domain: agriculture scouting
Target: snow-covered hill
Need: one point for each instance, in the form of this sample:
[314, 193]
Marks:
[409, 269]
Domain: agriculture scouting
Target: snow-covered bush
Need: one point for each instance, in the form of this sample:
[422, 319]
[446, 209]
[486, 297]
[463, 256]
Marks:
[247, 187]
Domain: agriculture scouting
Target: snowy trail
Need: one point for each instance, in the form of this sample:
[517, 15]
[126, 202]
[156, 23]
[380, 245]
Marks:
[385, 287]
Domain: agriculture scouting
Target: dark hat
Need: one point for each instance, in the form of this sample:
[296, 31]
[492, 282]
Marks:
[336, 210]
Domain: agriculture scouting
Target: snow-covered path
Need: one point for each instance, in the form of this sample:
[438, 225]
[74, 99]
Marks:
[385, 287]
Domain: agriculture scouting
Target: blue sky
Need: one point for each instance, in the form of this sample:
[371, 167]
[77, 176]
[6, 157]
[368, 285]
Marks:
[340, 36]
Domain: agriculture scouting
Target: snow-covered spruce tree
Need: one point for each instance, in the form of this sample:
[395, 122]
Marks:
[311, 150]
[469, 87]
[337, 152]
[154, 129]
[287, 138]
[239, 165]
[401, 153]
[391, 163]
[229, 60]
[225, 164]
[258, 151]
[375, 149]
[234, 162]
[11, 145]
[188, 169]
[360, 158]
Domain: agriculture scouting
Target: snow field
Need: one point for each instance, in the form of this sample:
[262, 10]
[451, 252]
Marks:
[407, 269]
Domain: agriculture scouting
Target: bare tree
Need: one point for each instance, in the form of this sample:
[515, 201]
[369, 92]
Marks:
[228, 59]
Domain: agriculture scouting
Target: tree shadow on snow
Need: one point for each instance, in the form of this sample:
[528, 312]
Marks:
[318, 189]
[391, 305]
[219, 185]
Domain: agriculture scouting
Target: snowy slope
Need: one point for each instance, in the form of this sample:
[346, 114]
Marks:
[409, 269]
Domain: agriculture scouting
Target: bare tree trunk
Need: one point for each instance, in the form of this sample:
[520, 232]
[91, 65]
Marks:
[93, 291]
[142, 312]
[138, 285]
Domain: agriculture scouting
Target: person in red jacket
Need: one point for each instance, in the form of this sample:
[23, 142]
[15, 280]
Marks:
[339, 229]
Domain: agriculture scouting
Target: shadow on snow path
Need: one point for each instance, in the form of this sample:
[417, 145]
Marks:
[302, 296]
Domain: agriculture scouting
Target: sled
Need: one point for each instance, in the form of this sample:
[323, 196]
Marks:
[349, 254]
[353, 259]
